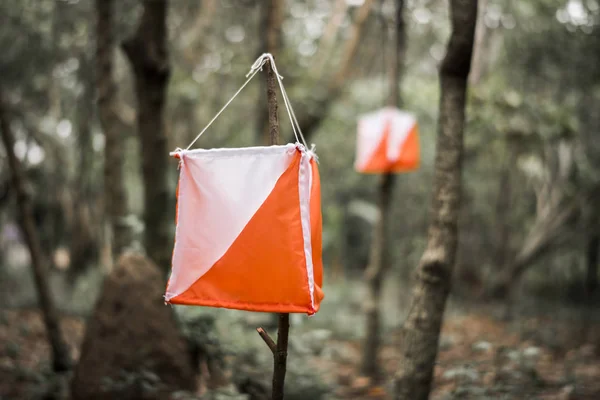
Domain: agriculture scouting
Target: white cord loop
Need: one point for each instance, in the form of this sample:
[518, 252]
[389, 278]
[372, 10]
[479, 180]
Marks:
[178, 152]
[254, 69]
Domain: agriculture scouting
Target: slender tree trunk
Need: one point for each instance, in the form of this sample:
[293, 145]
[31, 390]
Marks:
[270, 42]
[379, 261]
[61, 360]
[421, 330]
[116, 207]
[593, 254]
[147, 54]
[374, 274]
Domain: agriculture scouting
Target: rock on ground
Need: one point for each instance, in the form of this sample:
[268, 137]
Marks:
[132, 348]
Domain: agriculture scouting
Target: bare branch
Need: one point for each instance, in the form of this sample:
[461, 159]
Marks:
[124, 113]
[270, 342]
[329, 34]
[309, 122]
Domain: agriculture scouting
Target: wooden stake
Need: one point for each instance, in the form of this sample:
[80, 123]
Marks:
[272, 104]
[280, 357]
[278, 349]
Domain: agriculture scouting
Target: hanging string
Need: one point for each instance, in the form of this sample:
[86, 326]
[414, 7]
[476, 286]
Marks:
[258, 64]
[220, 111]
[254, 69]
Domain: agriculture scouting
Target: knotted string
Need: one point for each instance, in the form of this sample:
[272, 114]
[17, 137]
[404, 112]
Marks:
[254, 69]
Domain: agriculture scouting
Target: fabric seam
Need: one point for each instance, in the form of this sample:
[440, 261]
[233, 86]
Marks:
[239, 151]
[304, 186]
[168, 296]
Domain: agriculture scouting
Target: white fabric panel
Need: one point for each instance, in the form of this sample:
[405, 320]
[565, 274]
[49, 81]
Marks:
[402, 123]
[219, 192]
[370, 134]
[304, 184]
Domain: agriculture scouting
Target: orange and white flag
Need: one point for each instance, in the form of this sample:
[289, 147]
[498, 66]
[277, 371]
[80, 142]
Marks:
[387, 141]
[248, 232]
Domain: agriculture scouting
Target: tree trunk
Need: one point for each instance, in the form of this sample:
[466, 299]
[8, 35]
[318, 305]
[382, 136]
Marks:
[379, 261]
[270, 42]
[61, 360]
[421, 330]
[378, 265]
[147, 54]
[116, 207]
[593, 253]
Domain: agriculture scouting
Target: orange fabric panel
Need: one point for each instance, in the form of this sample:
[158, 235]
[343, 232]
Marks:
[409, 155]
[259, 272]
[379, 161]
[316, 223]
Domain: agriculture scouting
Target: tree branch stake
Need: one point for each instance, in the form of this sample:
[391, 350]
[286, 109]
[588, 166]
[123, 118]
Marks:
[279, 348]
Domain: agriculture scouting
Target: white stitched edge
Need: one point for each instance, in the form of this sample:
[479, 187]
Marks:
[304, 177]
[238, 151]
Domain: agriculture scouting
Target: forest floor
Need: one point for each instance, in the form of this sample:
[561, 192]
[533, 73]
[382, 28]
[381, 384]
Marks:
[484, 358]
[480, 358]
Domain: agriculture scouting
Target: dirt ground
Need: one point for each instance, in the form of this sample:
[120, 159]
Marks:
[480, 357]
[483, 358]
